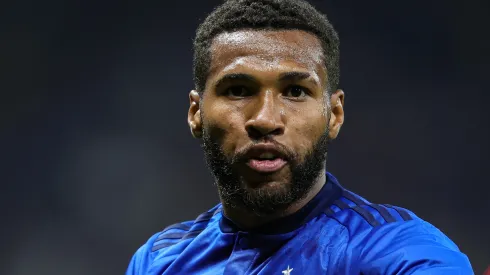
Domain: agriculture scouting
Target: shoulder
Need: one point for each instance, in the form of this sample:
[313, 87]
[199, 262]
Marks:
[363, 219]
[168, 237]
[179, 232]
[384, 238]
[142, 259]
[358, 214]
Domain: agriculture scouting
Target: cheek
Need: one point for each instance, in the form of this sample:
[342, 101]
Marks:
[307, 128]
[224, 124]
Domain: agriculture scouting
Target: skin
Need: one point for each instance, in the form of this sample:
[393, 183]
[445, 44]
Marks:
[278, 94]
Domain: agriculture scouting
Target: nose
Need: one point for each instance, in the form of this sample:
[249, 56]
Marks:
[266, 118]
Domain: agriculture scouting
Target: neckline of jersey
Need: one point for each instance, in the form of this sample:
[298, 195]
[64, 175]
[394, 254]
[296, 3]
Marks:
[330, 192]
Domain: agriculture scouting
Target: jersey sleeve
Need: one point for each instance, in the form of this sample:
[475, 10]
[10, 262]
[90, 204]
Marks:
[413, 247]
[141, 260]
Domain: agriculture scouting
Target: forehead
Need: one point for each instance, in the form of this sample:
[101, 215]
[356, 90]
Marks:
[266, 48]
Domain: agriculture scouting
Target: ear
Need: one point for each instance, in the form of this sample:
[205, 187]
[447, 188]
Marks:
[337, 113]
[194, 115]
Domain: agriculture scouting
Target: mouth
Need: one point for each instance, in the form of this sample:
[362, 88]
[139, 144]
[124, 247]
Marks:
[265, 158]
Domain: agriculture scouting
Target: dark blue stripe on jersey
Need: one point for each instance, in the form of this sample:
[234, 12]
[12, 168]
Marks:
[160, 246]
[403, 213]
[180, 226]
[341, 204]
[329, 212]
[171, 236]
[191, 234]
[361, 211]
[366, 215]
[181, 236]
[204, 217]
[384, 213]
[197, 229]
[175, 235]
[348, 195]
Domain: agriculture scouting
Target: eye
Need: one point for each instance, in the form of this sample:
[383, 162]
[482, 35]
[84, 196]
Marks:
[237, 91]
[296, 92]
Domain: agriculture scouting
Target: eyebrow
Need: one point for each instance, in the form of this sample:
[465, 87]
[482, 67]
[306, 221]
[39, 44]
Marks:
[297, 76]
[235, 77]
[287, 76]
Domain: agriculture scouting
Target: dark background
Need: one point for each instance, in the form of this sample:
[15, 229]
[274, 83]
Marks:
[97, 155]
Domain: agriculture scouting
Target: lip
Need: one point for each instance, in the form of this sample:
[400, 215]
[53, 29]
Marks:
[256, 150]
[265, 166]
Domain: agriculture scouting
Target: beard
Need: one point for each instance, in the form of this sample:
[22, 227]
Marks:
[260, 200]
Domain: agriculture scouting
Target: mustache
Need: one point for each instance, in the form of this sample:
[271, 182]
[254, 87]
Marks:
[240, 156]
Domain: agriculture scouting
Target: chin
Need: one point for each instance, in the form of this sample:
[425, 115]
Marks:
[275, 184]
[268, 188]
[266, 182]
[269, 198]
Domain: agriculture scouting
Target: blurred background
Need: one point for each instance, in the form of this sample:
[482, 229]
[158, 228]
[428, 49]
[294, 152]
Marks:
[97, 155]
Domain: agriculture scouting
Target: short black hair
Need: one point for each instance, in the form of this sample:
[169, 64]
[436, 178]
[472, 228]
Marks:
[234, 15]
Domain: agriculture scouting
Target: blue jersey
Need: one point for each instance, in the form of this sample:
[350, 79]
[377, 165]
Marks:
[337, 232]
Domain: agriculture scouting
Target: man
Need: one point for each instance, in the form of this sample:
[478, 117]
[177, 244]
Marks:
[266, 106]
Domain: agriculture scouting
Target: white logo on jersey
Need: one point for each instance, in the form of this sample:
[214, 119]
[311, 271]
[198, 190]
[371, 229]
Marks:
[287, 271]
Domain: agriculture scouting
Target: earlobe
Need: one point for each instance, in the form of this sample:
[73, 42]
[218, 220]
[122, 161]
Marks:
[337, 113]
[194, 115]
[196, 128]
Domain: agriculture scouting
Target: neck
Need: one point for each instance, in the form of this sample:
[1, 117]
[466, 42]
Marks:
[247, 220]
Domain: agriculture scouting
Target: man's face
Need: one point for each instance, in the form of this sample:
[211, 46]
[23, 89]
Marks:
[264, 117]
